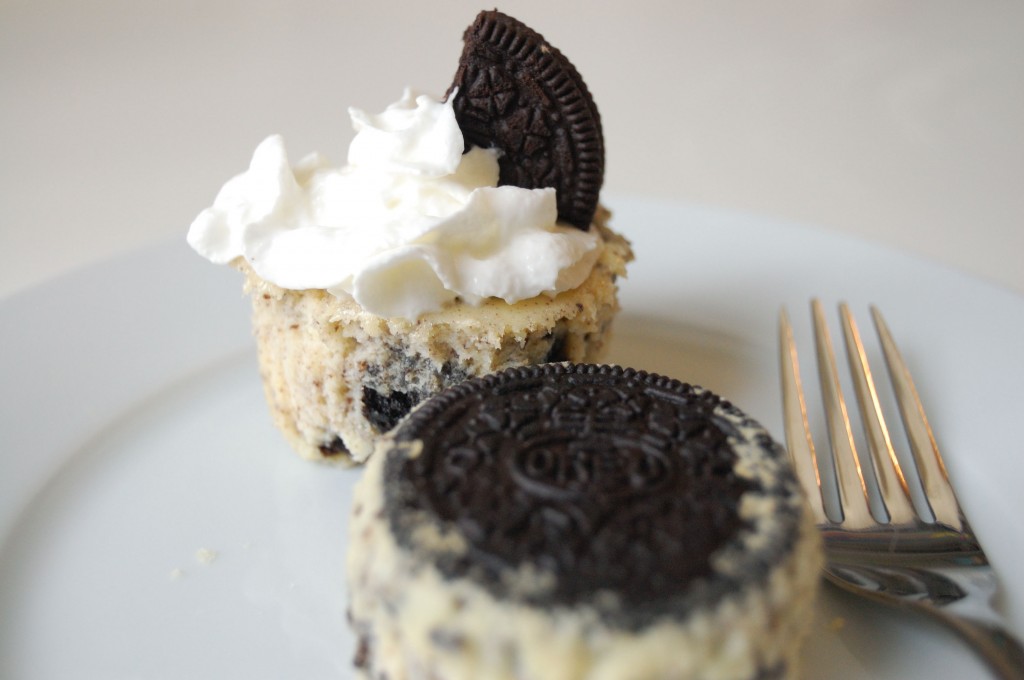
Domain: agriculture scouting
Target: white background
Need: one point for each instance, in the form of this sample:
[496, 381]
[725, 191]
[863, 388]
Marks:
[899, 122]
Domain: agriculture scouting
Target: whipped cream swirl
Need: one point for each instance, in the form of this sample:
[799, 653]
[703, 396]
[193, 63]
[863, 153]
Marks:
[408, 225]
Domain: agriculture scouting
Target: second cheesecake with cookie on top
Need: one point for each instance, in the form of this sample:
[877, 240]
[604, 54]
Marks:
[580, 522]
[464, 236]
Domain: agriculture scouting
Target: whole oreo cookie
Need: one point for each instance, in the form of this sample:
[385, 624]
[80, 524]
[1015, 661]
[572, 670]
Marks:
[519, 94]
[607, 479]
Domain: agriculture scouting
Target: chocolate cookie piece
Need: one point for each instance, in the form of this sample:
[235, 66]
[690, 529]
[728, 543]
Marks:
[519, 94]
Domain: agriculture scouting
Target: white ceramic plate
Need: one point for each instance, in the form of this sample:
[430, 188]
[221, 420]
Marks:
[153, 524]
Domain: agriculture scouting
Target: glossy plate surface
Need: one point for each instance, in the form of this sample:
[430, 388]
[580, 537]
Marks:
[154, 524]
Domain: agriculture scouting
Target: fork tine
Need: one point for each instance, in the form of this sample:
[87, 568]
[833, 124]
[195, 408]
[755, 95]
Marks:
[853, 492]
[798, 430]
[938, 491]
[891, 481]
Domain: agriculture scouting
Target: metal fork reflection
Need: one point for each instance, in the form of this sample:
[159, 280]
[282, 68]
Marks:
[927, 560]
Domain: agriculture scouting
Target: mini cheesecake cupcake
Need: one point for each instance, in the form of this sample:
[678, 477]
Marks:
[464, 236]
[570, 522]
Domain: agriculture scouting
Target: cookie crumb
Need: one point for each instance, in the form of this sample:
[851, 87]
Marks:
[177, 574]
[206, 556]
[837, 624]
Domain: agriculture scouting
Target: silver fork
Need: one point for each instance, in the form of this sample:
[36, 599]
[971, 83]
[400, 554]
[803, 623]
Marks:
[927, 560]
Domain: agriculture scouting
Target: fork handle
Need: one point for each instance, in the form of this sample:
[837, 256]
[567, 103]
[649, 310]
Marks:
[999, 649]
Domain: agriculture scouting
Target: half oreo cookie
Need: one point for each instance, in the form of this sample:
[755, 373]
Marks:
[556, 518]
[518, 94]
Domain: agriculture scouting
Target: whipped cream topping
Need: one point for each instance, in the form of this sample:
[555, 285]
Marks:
[408, 225]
